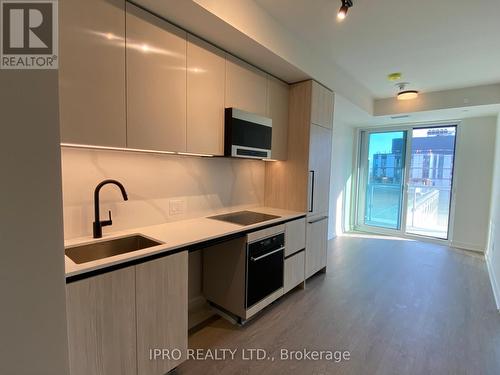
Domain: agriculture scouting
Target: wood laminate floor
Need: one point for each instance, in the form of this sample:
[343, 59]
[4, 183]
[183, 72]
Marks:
[399, 307]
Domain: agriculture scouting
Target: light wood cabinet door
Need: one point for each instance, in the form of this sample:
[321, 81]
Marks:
[162, 311]
[294, 271]
[92, 72]
[101, 324]
[321, 106]
[316, 245]
[320, 151]
[246, 87]
[277, 110]
[206, 72]
[156, 83]
[295, 236]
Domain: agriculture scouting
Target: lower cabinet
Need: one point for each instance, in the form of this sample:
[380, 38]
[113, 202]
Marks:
[116, 318]
[316, 245]
[294, 271]
[162, 312]
[295, 236]
[101, 324]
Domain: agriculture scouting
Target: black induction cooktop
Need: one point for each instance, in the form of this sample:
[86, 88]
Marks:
[244, 217]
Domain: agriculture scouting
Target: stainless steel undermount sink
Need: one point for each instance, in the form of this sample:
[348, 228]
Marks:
[108, 248]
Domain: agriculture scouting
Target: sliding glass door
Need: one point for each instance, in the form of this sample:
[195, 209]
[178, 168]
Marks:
[405, 180]
[384, 176]
[430, 181]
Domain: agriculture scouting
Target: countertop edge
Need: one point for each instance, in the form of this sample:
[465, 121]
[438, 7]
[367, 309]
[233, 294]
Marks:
[160, 252]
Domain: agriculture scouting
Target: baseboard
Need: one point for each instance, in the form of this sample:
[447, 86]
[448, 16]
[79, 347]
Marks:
[494, 283]
[467, 246]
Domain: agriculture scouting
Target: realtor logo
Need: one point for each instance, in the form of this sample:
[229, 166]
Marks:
[28, 34]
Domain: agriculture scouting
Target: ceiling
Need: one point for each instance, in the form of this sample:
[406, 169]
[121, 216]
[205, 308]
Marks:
[351, 115]
[437, 44]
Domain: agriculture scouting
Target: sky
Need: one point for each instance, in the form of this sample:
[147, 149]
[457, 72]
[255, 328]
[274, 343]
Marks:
[381, 143]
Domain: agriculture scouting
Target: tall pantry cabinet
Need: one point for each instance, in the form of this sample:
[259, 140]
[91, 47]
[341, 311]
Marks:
[302, 182]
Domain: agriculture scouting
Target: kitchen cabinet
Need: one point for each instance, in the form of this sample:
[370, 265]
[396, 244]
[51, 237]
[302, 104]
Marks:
[320, 145]
[156, 82]
[246, 87]
[162, 311]
[130, 79]
[321, 106]
[101, 324]
[115, 318]
[301, 183]
[294, 271]
[205, 97]
[316, 244]
[295, 236]
[277, 110]
[92, 72]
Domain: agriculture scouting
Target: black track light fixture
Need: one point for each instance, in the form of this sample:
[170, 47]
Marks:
[346, 4]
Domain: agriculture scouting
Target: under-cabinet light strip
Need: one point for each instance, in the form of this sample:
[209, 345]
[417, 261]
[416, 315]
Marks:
[74, 145]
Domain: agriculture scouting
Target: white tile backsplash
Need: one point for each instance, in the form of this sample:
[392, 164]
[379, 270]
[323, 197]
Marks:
[205, 185]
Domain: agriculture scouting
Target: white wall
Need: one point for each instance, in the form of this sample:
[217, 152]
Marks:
[340, 178]
[205, 185]
[32, 285]
[493, 254]
[472, 182]
[346, 116]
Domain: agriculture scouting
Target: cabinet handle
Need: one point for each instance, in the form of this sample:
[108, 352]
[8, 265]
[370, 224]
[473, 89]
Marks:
[311, 198]
[318, 219]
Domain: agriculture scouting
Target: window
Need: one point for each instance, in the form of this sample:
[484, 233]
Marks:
[405, 180]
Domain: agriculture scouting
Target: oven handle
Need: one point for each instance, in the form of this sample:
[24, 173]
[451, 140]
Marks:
[266, 255]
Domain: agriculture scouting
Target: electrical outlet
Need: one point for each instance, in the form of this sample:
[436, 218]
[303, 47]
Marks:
[176, 207]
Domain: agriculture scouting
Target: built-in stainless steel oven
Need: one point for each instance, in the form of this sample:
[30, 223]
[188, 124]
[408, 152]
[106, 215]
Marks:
[265, 268]
[243, 275]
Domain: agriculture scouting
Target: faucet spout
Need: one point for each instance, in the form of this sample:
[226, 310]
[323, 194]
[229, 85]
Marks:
[98, 224]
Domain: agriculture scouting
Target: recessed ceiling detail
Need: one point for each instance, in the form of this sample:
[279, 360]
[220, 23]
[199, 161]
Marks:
[455, 45]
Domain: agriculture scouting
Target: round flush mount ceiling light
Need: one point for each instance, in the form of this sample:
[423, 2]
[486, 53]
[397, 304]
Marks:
[404, 94]
[342, 13]
[408, 95]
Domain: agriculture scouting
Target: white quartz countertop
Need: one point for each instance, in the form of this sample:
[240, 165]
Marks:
[174, 235]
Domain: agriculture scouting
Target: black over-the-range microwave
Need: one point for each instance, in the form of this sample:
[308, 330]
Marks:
[247, 135]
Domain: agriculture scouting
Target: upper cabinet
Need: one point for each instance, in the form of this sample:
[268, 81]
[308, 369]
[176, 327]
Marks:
[156, 83]
[246, 87]
[321, 106]
[130, 79]
[206, 71]
[92, 72]
[277, 110]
